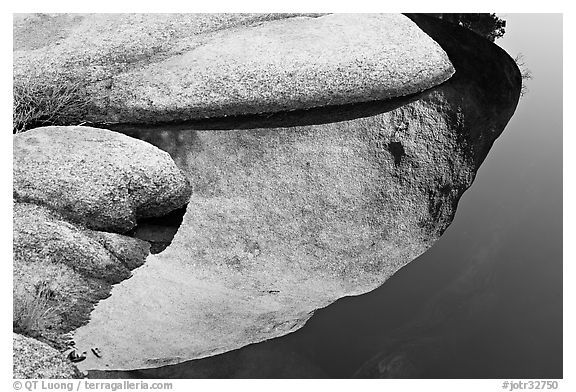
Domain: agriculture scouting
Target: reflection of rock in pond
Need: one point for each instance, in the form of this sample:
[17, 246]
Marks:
[290, 213]
[341, 191]
[254, 361]
[422, 358]
[436, 343]
[159, 231]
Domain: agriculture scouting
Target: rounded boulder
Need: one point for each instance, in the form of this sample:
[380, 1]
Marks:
[98, 178]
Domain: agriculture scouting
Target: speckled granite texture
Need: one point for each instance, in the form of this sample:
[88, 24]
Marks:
[34, 359]
[77, 191]
[95, 177]
[283, 221]
[296, 63]
[154, 68]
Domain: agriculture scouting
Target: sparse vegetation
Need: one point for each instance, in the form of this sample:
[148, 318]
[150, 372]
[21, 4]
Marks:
[34, 312]
[51, 299]
[487, 25]
[37, 103]
[524, 71]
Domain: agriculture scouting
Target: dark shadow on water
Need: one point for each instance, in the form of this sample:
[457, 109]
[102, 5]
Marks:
[339, 339]
[159, 231]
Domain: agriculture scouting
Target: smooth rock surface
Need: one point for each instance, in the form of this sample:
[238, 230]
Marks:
[34, 359]
[95, 177]
[283, 221]
[154, 67]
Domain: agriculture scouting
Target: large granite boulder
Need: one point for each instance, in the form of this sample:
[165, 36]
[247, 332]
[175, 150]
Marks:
[95, 177]
[149, 68]
[34, 359]
[285, 220]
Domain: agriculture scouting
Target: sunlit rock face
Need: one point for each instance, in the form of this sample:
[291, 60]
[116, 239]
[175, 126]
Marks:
[287, 218]
[149, 68]
[97, 178]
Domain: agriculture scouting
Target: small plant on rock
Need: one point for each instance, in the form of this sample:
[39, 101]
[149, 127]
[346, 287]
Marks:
[524, 71]
[37, 103]
[33, 312]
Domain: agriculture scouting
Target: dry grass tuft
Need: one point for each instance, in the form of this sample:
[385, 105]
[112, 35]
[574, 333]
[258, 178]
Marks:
[524, 71]
[34, 312]
[37, 103]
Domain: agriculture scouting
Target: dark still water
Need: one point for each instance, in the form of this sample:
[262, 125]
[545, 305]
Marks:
[486, 300]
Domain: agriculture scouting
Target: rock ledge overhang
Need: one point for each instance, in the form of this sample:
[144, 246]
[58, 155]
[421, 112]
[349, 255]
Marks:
[139, 68]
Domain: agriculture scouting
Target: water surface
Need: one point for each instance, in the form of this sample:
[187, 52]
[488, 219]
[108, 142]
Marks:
[486, 300]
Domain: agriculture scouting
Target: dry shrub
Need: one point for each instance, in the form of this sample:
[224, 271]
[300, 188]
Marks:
[34, 311]
[37, 103]
[524, 72]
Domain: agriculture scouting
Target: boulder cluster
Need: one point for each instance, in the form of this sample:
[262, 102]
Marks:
[317, 155]
[77, 193]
